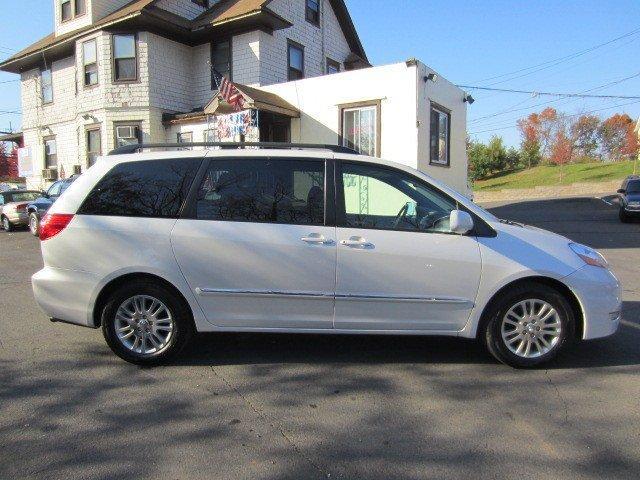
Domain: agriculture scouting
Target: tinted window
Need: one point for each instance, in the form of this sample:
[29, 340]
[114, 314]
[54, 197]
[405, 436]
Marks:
[24, 196]
[155, 188]
[387, 199]
[266, 190]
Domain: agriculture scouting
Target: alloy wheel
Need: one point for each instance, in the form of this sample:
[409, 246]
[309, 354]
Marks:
[531, 328]
[144, 325]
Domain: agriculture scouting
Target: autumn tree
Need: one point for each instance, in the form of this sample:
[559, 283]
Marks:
[615, 135]
[584, 135]
[530, 146]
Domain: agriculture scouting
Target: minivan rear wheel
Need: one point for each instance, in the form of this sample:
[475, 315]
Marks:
[145, 323]
[34, 223]
[529, 325]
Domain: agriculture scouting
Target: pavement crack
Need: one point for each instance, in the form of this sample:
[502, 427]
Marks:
[277, 425]
[559, 395]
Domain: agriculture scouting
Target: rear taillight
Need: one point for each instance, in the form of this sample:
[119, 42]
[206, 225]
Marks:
[53, 224]
[21, 207]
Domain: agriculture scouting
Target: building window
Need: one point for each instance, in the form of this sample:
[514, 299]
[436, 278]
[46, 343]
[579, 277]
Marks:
[46, 79]
[90, 62]
[50, 153]
[201, 3]
[125, 62]
[295, 53]
[211, 135]
[312, 12]
[360, 127]
[440, 136]
[185, 137]
[80, 7]
[220, 60]
[94, 145]
[66, 11]
[128, 134]
[332, 66]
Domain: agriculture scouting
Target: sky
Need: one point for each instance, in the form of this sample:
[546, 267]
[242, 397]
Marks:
[466, 42]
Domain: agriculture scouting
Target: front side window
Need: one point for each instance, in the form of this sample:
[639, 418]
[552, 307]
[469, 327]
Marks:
[128, 135]
[440, 125]
[154, 188]
[361, 128]
[388, 199]
[312, 13]
[125, 63]
[50, 153]
[66, 11]
[633, 187]
[55, 190]
[221, 60]
[90, 63]
[94, 145]
[295, 61]
[46, 79]
[263, 191]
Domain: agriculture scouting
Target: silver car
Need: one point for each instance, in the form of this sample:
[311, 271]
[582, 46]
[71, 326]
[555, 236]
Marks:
[13, 207]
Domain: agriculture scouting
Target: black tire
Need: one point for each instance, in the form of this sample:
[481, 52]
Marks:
[491, 332]
[624, 218]
[7, 226]
[183, 328]
[34, 224]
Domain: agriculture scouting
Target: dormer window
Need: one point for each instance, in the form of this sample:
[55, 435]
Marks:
[66, 12]
[80, 7]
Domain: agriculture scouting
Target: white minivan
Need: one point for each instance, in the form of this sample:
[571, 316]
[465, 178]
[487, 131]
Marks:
[155, 246]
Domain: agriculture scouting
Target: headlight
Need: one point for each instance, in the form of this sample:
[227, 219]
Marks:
[589, 255]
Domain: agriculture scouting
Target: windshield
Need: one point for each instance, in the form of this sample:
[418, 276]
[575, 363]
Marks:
[633, 187]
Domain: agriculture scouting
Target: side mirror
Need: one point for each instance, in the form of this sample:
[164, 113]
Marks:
[622, 190]
[460, 222]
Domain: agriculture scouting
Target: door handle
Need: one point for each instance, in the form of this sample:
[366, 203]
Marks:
[316, 238]
[356, 242]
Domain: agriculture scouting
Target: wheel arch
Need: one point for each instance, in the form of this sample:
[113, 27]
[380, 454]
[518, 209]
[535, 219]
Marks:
[542, 280]
[115, 283]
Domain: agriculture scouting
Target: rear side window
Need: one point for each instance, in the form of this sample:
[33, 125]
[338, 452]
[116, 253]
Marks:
[155, 188]
[263, 191]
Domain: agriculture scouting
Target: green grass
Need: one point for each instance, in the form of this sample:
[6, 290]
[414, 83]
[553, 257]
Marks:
[550, 175]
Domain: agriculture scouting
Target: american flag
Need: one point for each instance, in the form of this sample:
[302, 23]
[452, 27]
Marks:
[228, 90]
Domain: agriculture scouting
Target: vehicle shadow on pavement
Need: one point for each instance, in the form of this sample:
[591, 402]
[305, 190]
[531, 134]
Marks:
[620, 349]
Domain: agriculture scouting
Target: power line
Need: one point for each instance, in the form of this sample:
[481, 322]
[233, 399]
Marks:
[10, 112]
[568, 116]
[551, 63]
[510, 110]
[550, 94]
[10, 81]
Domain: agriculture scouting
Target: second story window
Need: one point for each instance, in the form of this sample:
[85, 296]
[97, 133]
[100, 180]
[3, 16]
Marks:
[50, 153]
[295, 53]
[332, 66]
[221, 60]
[90, 63]
[66, 10]
[47, 86]
[125, 62]
[80, 7]
[312, 11]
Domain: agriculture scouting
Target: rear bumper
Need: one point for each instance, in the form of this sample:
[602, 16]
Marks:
[600, 295]
[65, 295]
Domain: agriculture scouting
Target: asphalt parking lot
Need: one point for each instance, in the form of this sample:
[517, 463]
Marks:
[303, 407]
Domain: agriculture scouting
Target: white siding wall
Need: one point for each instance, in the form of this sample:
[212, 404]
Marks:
[246, 58]
[170, 74]
[201, 75]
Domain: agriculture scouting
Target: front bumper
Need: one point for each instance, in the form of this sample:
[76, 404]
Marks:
[65, 294]
[600, 295]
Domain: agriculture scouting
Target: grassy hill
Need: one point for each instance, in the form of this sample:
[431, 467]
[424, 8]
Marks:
[550, 175]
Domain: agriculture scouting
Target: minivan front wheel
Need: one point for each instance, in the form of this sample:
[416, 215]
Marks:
[145, 323]
[529, 326]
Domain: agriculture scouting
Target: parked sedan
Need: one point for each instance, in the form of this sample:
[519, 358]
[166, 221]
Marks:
[37, 209]
[629, 198]
[13, 207]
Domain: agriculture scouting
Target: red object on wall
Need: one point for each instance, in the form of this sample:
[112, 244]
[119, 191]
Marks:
[8, 162]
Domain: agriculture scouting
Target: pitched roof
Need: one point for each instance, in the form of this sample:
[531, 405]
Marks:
[224, 12]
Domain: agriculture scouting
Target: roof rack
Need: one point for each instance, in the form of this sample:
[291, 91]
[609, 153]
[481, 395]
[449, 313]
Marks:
[136, 147]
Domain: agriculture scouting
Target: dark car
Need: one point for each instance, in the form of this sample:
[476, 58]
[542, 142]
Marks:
[629, 198]
[40, 205]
